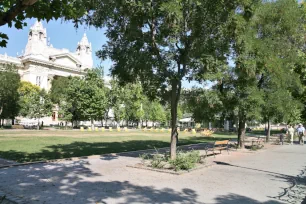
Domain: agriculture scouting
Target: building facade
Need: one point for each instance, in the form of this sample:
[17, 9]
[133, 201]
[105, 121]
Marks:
[40, 62]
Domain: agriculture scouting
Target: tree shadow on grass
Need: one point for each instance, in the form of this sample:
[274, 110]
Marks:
[83, 149]
[74, 182]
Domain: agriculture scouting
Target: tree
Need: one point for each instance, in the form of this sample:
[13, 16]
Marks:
[116, 101]
[157, 112]
[14, 12]
[69, 107]
[34, 102]
[266, 39]
[133, 98]
[162, 42]
[205, 105]
[280, 105]
[92, 98]
[58, 91]
[9, 97]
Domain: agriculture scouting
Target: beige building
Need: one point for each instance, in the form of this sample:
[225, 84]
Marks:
[40, 62]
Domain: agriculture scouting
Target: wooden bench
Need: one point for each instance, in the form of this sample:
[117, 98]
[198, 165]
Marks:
[259, 142]
[217, 146]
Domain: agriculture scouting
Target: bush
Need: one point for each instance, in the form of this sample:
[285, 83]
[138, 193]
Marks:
[185, 160]
[144, 157]
[158, 161]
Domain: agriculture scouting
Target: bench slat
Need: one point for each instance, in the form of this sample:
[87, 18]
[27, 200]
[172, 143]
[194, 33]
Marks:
[223, 142]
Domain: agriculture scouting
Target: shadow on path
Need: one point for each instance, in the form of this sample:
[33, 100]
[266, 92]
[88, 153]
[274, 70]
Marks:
[297, 184]
[74, 183]
[238, 199]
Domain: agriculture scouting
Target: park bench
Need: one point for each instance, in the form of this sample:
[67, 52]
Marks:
[217, 146]
[259, 142]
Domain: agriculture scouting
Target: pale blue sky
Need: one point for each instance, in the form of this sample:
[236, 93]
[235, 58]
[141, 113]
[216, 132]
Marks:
[62, 35]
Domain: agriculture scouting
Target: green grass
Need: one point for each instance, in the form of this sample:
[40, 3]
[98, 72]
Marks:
[26, 146]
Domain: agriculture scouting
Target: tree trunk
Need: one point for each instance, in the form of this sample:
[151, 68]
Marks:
[175, 95]
[13, 121]
[268, 131]
[92, 124]
[38, 124]
[241, 132]
[105, 118]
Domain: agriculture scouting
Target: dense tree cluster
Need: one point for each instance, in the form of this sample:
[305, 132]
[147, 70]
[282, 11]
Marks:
[78, 99]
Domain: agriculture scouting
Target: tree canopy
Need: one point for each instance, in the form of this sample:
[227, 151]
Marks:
[160, 43]
[9, 97]
[14, 13]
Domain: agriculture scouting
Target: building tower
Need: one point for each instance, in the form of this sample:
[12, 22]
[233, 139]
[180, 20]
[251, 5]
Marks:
[37, 40]
[84, 52]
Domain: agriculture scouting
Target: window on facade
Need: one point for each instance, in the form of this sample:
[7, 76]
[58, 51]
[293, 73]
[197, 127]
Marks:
[38, 80]
[40, 35]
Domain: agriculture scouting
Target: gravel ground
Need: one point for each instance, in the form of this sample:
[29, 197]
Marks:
[275, 174]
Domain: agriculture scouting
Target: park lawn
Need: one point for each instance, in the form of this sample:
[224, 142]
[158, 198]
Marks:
[28, 146]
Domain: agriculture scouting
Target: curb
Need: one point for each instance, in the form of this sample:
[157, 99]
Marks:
[169, 171]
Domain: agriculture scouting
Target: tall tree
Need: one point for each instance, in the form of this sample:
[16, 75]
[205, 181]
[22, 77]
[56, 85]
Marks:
[268, 35]
[116, 101]
[69, 107]
[205, 105]
[157, 113]
[162, 42]
[92, 99]
[34, 102]
[9, 97]
[58, 91]
[133, 98]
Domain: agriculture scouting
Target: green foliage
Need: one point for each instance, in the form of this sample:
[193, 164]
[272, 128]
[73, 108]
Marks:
[158, 161]
[9, 97]
[144, 157]
[34, 103]
[156, 112]
[205, 105]
[186, 160]
[85, 98]
[133, 97]
[160, 43]
[14, 13]
[58, 89]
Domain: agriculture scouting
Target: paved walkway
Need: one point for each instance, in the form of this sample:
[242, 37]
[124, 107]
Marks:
[276, 175]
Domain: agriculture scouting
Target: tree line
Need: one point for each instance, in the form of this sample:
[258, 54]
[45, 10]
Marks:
[76, 99]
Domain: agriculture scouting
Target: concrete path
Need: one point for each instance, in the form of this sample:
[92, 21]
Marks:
[275, 175]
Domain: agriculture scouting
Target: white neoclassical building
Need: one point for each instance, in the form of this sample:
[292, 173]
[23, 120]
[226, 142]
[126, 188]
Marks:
[41, 62]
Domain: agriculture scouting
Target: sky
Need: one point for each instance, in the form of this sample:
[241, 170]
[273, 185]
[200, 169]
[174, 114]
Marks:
[62, 35]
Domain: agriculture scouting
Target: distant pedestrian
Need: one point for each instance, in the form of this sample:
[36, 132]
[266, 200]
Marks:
[291, 133]
[301, 133]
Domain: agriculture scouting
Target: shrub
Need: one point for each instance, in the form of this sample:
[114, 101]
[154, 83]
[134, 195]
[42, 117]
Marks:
[144, 157]
[158, 161]
[185, 160]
